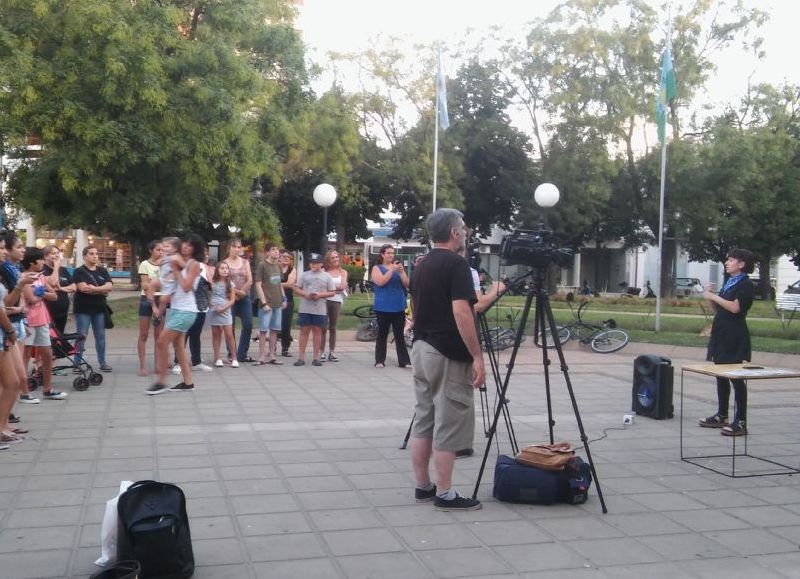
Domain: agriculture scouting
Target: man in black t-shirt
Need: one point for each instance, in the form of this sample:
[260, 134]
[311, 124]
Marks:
[59, 278]
[447, 360]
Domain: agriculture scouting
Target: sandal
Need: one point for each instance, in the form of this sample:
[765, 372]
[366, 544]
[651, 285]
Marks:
[380, 365]
[18, 431]
[259, 363]
[275, 361]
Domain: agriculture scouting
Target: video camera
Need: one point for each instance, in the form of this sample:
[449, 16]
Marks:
[534, 248]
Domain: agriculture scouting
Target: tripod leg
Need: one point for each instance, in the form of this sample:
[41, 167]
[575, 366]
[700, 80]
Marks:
[501, 406]
[494, 363]
[408, 433]
[540, 324]
[548, 312]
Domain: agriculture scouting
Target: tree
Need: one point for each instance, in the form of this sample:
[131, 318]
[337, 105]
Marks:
[749, 171]
[151, 114]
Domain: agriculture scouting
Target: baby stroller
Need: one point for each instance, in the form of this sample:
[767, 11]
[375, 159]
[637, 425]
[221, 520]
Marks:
[66, 347]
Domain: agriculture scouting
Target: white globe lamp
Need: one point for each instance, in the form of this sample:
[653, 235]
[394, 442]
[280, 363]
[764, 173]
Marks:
[546, 195]
[324, 196]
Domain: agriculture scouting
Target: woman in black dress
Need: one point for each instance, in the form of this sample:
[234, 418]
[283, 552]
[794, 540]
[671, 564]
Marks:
[730, 339]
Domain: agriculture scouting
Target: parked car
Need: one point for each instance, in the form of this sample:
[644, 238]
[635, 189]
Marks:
[688, 287]
[794, 288]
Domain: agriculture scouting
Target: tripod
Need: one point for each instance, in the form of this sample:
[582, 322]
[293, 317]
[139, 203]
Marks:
[543, 321]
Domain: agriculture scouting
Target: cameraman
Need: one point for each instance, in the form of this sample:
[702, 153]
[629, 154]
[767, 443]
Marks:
[447, 360]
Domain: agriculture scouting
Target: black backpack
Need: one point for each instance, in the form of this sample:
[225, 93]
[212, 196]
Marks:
[154, 530]
[202, 295]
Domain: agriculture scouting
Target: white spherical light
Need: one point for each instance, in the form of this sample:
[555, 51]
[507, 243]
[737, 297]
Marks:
[546, 195]
[324, 195]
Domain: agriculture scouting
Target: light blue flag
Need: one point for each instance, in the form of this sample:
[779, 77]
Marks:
[441, 96]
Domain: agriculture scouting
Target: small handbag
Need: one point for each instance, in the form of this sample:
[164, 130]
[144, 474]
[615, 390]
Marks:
[107, 313]
[546, 456]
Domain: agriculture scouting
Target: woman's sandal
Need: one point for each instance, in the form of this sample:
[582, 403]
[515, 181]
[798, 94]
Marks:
[379, 365]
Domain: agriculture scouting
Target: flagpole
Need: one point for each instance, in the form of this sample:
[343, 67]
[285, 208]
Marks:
[660, 233]
[436, 123]
[661, 195]
[435, 146]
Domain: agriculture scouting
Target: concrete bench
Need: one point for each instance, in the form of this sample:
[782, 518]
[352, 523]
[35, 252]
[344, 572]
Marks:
[787, 305]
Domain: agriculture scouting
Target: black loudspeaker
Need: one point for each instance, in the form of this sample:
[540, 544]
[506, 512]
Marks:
[652, 386]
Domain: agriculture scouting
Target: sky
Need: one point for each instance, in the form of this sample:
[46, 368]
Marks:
[353, 25]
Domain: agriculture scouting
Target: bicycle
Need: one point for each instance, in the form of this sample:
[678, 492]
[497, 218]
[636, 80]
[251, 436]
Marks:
[502, 337]
[603, 338]
[368, 330]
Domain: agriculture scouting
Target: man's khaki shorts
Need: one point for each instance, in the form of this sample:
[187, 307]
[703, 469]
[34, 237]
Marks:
[445, 409]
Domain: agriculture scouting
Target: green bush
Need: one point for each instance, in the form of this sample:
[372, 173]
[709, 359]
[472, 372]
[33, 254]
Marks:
[355, 274]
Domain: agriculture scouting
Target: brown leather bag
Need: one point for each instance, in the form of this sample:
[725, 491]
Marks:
[546, 456]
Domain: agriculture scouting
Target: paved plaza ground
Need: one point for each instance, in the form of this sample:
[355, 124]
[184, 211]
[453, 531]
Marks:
[296, 473]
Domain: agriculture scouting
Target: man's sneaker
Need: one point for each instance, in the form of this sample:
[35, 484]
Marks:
[715, 421]
[299, 363]
[423, 496]
[156, 388]
[176, 369]
[463, 453]
[737, 428]
[182, 387]
[55, 395]
[105, 368]
[316, 363]
[323, 357]
[202, 367]
[234, 363]
[28, 399]
[219, 364]
[457, 504]
[333, 357]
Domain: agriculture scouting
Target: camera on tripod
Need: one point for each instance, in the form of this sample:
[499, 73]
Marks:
[534, 248]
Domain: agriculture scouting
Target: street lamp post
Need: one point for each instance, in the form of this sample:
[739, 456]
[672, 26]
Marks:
[324, 196]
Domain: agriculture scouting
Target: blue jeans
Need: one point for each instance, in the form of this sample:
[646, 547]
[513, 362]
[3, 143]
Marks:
[243, 309]
[98, 323]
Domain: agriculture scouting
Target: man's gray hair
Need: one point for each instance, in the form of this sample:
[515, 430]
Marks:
[441, 221]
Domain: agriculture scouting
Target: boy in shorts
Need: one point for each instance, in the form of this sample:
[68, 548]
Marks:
[313, 286]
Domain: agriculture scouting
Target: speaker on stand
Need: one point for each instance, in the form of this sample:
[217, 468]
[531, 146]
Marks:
[652, 386]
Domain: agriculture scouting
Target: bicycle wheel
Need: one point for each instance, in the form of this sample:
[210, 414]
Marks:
[364, 312]
[609, 341]
[367, 332]
[562, 334]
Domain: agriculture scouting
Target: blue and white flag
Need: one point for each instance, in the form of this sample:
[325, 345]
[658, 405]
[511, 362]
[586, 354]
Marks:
[441, 95]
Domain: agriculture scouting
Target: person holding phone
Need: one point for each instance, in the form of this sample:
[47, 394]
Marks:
[390, 280]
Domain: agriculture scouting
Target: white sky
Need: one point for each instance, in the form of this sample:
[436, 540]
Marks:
[353, 25]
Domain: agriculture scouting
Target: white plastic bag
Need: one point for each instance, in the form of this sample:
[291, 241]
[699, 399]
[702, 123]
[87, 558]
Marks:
[108, 530]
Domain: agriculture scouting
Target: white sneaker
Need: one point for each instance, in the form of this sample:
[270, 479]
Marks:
[176, 369]
[202, 367]
[323, 357]
[28, 399]
[235, 364]
[218, 364]
[55, 395]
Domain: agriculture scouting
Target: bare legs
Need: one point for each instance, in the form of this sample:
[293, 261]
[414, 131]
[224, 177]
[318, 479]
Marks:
[421, 452]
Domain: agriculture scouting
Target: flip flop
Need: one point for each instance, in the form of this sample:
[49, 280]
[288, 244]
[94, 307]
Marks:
[259, 363]
[18, 430]
[275, 362]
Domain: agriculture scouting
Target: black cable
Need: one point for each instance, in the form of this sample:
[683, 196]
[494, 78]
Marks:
[605, 435]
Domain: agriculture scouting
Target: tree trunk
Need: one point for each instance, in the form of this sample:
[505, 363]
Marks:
[667, 267]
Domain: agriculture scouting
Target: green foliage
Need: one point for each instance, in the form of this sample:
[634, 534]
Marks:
[355, 274]
[147, 110]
